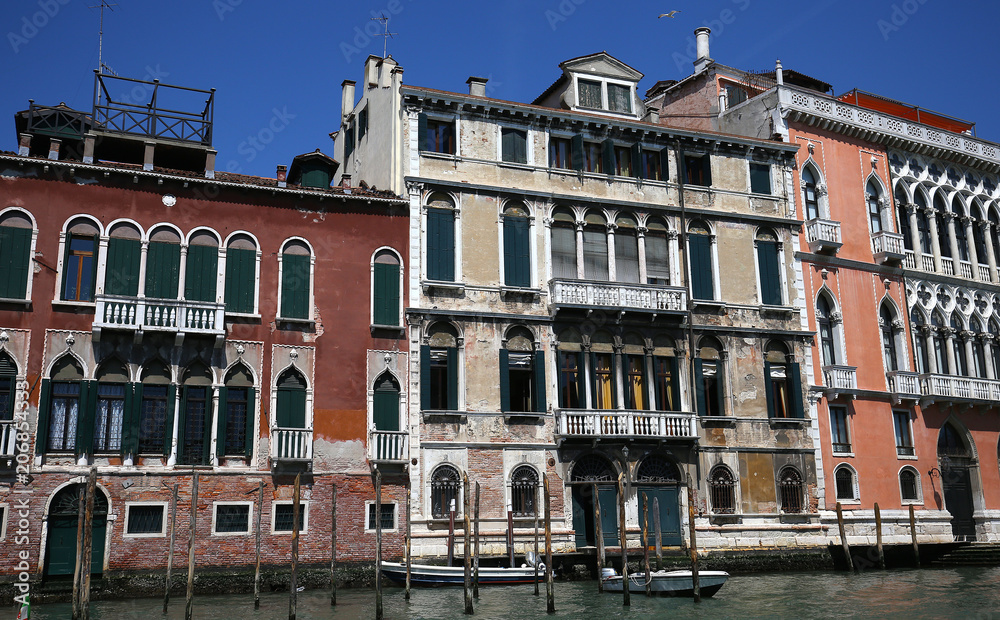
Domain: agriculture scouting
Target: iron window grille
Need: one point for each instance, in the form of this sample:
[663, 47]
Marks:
[524, 492]
[845, 484]
[444, 491]
[722, 491]
[387, 515]
[284, 517]
[144, 520]
[790, 491]
[232, 518]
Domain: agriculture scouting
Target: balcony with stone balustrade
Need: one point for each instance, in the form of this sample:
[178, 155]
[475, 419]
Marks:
[619, 296]
[619, 424]
[823, 236]
[176, 316]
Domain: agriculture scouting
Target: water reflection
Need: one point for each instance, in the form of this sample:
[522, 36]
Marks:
[967, 592]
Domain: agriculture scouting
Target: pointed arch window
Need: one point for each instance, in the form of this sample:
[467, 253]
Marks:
[114, 396]
[811, 195]
[235, 434]
[939, 215]
[824, 323]
[903, 218]
[995, 349]
[873, 199]
[978, 352]
[385, 403]
[889, 350]
[64, 398]
[291, 400]
[157, 397]
[920, 341]
[923, 223]
[940, 344]
[195, 417]
[961, 238]
[958, 346]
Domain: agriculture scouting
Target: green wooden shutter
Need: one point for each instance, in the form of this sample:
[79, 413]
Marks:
[121, 276]
[291, 408]
[251, 423]
[385, 410]
[425, 377]
[182, 455]
[206, 445]
[453, 379]
[701, 267]
[504, 380]
[699, 387]
[42, 430]
[163, 268]
[638, 169]
[664, 165]
[220, 422]
[675, 384]
[295, 286]
[240, 279]
[85, 418]
[422, 133]
[386, 294]
[770, 278]
[768, 389]
[539, 367]
[581, 380]
[507, 145]
[608, 155]
[516, 252]
[15, 250]
[168, 424]
[131, 427]
[201, 275]
[760, 178]
[441, 245]
[520, 146]
[794, 380]
[706, 168]
[576, 158]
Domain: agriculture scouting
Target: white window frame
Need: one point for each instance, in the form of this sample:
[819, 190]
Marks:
[371, 287]
[770, 177]
[99, 256]
[312, 282]
[458, 282]
[3, 520]
[256, 286]
[909, 422]
[31, 258]
[920, 487]
[163, 528]
[604, 81]
[532, 246]
[855, 486]
[441, 118]
[215, 512]
[847, 423]
[528, 146]
[287, 502]
[395, 516]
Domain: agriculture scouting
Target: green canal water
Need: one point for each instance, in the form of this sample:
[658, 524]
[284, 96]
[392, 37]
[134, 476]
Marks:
[966, 593]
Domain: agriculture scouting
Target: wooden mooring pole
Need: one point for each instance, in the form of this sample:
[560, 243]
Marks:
[81, 508]
[623, 541]
[510, 537]
[170, 552]
[550, 602]
[695, 579]
[189, 597]
[878, 537]
[408, 541]
[451, 533]
[467, 543]
[913, 538]
[293, 587]
[645, 544]
[333, 545]
[599, 536]
[537, 559]
[86, 567]
[659, 533]
[256, 571]
[843, 538]
[379, 612]
[475, 557]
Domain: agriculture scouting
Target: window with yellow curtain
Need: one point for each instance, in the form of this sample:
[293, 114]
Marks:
[603, 380]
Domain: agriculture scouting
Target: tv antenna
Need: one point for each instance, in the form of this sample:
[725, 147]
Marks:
[100, 37]
[385, 24]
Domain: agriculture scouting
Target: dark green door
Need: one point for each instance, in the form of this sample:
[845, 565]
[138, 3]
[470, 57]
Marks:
[61, 540]
[386, 407]
[583, 515]
[957, 483]
[607, 498]
[670, 518]
[291, 401]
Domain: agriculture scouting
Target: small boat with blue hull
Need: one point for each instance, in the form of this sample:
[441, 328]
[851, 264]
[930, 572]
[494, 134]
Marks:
[666, 583]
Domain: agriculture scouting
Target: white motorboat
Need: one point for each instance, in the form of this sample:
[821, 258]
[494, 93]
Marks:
[666, 583]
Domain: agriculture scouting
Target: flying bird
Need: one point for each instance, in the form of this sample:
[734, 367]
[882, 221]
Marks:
[670, 14]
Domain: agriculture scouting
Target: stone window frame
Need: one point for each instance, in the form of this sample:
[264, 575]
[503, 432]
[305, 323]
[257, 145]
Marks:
[395, 516]
[250, 513]
[163, 529]
[287, 502]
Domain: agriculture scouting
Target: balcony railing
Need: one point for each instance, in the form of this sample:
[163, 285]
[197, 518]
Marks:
[910, 260]
[170, 315]
[947, 265]
[959, 388]
[823, 235]
[291, 444]
[984, 273]
[965, 269]
[841, 377]
[927, 262]
[888, 246]
[630, 424]
[388, 446]
[903, 383]
[654, 298]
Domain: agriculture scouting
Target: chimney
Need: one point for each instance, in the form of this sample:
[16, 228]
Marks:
[345, 180]
[652, 114]
[282, 175]
[779, 76]
[389, 69]
[347, 98]
[371, 70]
[24, 144]
[54, 144]
[477, 86]
[703, 59]
[210, 163]
[149, 148]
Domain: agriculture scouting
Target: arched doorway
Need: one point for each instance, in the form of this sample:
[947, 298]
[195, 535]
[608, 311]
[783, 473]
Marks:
[60, 542]
[589, 471]
[955, 459]
[657, 483]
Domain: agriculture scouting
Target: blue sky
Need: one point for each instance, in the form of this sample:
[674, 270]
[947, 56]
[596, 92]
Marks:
[278, 66]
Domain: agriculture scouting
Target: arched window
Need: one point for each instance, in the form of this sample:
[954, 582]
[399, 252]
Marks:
[657, 253]
[564, 245]
[657, 470]
[593, 468]
[811, 197]
[242, 255]
[386, 289]
[572, 380]
[156, 412]
[923, 223]
[939, 215]
[995, 237]
[296, 266]
[439, 369]
[626, 250]
[163, 264]
[791, 493]
[722, 490]
[113, 397]
[8, 376]
[634, 372]
[16, 232]
[889, 350]
[768, 268]
[195, 417]
[872, 199]
[524, 491]
[516, 245]
[977, 236]
[201, 273]
[666, 374]
[940, 344]
[522, 373]
[445, 484]
[783, 383]
[236, 402]
[79, 273]
[385, 403]
[904, 218]
[702, 263]
[909, 485]
[961, 237]
[64, 389]
[846, 482]
[995, 349]
[952, 445]
[595, 247]
[121, 274]
[958, 346]
[920, 341]
[978, 353]
[440, 238]
[291, 400]
[824, 324]
[604, 387]
[709, 378]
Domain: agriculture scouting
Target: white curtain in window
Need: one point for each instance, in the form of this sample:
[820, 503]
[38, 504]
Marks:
[657, 264]
[626, 256]
[563, 252]
[595, 254]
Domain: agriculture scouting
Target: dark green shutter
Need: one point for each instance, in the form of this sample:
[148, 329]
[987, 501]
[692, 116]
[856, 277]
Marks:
[706, 168]
[608, 154]
[701, 267]
[520, 146]
[720, 392]
[638, 169]
[504, 380]
[795, 389]
[539, 367]
[768, 389]
[425, 377]
[664, 165]
[453, 379]
[220, 422]
[349, 141]
[206, 445]
[581, 380]
[42, 430]
[760, 178]
[386, 294]
[182, 455]
[291, 408]
[163, 268]
[86, 417]
[121, 277]
[675, 384]
[131, 430]
[168, 424]
[127, 407]
[576, 159]
[422, 133]
[15, 250]
[516, 253]
[385, 410]
[770, 279]
[295, 286]
[699, 387]
[441, 245]
[240, 280]
[201, 276]
[251, 422]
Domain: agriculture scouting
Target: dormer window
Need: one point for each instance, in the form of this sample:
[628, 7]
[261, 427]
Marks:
[600, 95]
[619, 98]
[590, 94]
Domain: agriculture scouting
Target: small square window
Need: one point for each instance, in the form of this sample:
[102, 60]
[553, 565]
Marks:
[559, 153]
[839, 432]
[388, 515]
[735, 95]
[760, 178]
[440, 137]
[619, 98]
[698, 170]
[144, 520]
[514, 145]
[232, 519]
[284, 517]
[590, 94]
